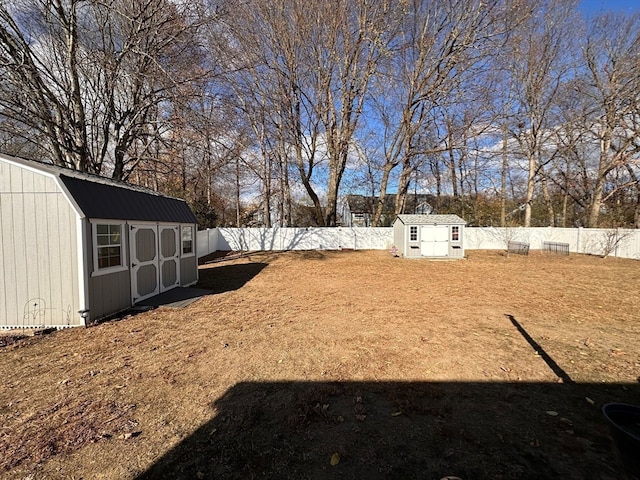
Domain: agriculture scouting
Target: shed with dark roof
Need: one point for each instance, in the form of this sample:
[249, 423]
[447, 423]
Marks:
[76, 247]
[430, 236]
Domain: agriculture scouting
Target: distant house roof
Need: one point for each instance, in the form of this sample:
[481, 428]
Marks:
[431, 220]
[366, 204]
[105, 198]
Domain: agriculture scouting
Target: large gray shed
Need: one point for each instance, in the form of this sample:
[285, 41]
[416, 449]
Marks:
[76, 247]
[432, 236]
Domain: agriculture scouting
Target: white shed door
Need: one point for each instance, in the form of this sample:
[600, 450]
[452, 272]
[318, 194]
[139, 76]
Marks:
[434, 240]
[169, 257]
[143, 240]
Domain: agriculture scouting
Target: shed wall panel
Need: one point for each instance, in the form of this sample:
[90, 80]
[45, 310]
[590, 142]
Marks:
[3, 294]
[42, 184]
[21, 259]
[43, 243]
[5, 177]
[188, 270]
[109, 294]
[31, 254]
[8, 298]
[37, 243]
[399, 237]
[69, 253]
[15, 180]
[54, 261]
[27, 181]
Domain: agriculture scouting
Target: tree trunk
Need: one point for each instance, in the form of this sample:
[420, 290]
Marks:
[237, 192]
[503, 177]
[551, 216]
[636, 210]
[452, 166]
[530, 190]
[386, 172]
[266, 190]
[403, 187]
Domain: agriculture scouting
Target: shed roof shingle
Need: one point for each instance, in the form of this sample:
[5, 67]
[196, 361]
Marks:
[431, 219]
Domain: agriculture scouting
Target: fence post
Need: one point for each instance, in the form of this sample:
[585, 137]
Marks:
[578, 239]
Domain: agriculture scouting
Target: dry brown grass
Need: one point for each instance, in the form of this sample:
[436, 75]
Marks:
[404, 368]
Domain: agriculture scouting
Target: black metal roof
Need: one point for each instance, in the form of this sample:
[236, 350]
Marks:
[105, 198]
[101, 200]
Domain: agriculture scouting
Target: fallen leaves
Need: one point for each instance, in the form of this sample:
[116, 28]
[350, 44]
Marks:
[67, 426]
[335, 459]
[129, 435]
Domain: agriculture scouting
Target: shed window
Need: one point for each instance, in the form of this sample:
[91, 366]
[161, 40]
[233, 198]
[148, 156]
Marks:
[455, 233]
[413, 233]
[108, 241]
[187, 240]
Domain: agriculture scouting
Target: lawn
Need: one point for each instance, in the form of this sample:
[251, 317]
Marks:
[350, 364]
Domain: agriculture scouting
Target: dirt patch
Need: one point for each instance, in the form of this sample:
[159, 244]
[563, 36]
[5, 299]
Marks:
[339, 365]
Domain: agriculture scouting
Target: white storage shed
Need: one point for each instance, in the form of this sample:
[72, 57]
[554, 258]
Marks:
[430, 236]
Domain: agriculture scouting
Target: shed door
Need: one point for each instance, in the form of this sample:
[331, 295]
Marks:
[144, 262]
[434, 240]
[169, 257]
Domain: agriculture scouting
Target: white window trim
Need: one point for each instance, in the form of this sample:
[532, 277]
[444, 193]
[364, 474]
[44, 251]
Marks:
[94, 247]
[459, 233]
[193, 241]
[417, 233]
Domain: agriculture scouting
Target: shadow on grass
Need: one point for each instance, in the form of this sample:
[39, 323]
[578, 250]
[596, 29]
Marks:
[226, 278]
[551, 363]
[397, 430]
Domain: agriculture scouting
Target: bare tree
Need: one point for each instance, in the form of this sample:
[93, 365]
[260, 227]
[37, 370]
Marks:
[91, 77]
[437, 44]
[612, 81]
[312, 68]
[538, 61]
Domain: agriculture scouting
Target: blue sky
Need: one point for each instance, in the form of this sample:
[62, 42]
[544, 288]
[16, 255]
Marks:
[591, 7]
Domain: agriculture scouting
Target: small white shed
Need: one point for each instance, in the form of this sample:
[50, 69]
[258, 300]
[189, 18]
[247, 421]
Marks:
[430, 236]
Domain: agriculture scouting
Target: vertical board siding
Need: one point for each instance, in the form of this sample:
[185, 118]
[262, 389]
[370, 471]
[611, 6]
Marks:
[32, 255]
[8, 297]
[54, 262]
[38, 242]
[109, 294]
[22, 261]
[188, 270]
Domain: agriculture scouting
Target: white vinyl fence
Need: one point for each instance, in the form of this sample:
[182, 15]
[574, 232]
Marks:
[596, 241]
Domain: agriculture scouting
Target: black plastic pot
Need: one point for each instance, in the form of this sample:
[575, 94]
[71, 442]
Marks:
[624, 423]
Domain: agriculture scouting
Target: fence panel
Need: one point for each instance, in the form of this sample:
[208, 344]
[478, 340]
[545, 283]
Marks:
[613, 242]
